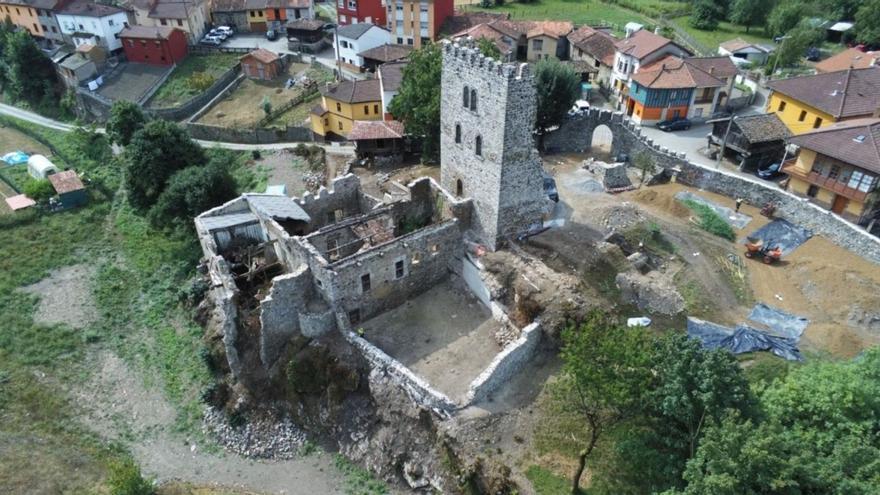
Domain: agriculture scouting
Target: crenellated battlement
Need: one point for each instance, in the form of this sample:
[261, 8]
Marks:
[466, 53]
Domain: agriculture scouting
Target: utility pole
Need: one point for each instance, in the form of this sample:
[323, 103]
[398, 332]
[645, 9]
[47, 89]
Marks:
[724, 141]
[776, 58]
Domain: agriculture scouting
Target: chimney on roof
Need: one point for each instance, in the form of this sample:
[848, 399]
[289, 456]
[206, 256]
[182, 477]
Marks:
[711, 70]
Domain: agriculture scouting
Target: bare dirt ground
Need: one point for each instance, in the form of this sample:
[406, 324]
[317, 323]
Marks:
[65, 297]
[376, 180]
[244, 106]
[283, 167]
[445, 335]
[119, 406]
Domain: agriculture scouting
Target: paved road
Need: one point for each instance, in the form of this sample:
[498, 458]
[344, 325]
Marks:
[332, 148]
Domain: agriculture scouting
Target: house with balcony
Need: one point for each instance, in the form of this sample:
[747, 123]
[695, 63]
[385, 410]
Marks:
[417, 22]
[807, 103]
[355, 39]
[344, 103]
[673, 88]
[595, 47]
[361, 11]
[838, 167]
[639, 48]
[87, 23]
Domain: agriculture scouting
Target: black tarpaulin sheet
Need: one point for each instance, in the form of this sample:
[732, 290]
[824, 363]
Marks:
[742, 339]
[784, 234]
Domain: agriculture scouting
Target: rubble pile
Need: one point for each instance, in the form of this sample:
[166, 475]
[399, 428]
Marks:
[260, 437]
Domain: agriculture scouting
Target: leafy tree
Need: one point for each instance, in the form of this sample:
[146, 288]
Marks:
[793, 48]
[867, 28]
[126, 118]
[748, 13]
[191, 191]
[558, 87]
[153, 155]
[605, 374]
[125, 479]
[705, 15]
[38, 189]
[645, 163]
[839, 9]
[695, 386]
[417, 104]
[786, 15]
[489, 48]
[30, 75]
[266, 105]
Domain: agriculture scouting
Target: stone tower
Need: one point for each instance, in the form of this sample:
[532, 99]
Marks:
[487, 152]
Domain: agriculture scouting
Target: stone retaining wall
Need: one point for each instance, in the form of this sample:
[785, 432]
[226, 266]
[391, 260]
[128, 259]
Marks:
[506, 364]
[249, 136]
[576, 134]
[192, 105]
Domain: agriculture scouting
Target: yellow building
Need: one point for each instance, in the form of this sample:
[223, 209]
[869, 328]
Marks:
[22, 14]
[344, 103]
[838, 168]
[809, 102]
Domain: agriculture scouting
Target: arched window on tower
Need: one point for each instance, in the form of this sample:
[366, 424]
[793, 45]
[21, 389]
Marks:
[466, 97]
[473, 100]
[458, 133]
[478, 146]
[459, 188]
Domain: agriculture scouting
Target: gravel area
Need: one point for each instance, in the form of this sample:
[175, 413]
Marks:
[65, 297]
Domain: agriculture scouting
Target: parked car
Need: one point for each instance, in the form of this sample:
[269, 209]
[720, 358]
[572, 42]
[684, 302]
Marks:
[674, 125]
[550, 188]
[770, 172]
[216, 33]
[271, 35]
[581, 105]
[230, 32]
[813, 54]
[211, 41]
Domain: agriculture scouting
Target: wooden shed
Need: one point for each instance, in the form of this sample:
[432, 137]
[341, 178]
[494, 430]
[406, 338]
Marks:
[261, 64]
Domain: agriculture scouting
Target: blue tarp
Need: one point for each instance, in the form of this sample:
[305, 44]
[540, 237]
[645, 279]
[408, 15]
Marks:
[15, 158]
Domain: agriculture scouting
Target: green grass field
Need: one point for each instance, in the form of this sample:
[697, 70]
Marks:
[725, 31]
[578, 12]
[177, 88]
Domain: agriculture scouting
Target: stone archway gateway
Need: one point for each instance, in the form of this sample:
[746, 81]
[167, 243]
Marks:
[602, 139]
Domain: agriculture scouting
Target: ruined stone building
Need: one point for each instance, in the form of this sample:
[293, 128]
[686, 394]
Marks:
[281, 267]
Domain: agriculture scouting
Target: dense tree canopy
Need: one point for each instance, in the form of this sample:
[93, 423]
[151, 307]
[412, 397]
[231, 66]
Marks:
[126, 118]
[705, 15]
[558, 87]
[749, 13]
[489, 48]
[28, 74]
[191, 191]
[867, 17]
[417, 104]
[154, 154]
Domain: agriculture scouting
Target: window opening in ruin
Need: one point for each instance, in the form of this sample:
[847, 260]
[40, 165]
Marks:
[331, 217]
[416, 258]
[338, 215]
[365, 282]
[478, 146]
[333, 248]
[458, 133]
[398, 269]
[459, 187]
[466, 97]
[473, 100]
[354, 316]
[435, 249]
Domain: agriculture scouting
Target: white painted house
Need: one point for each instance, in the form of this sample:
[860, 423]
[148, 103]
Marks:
[353, 39]
[742, 52]
[83, 22]
[390, 77]
[639, 48]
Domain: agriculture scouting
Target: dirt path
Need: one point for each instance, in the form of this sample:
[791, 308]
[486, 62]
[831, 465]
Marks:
[121, 407]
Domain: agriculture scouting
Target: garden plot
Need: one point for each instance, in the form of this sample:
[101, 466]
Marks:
[735, 219]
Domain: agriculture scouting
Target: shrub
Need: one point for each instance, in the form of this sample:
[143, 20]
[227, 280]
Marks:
[200, 81]
[255, 154]
[710, 221]
[39, 189]
[126, 479]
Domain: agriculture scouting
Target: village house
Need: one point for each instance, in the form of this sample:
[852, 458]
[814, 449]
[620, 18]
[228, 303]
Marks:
[376, 56]
[190, 16]
[377, 137]
[547, 39]
[390, 76]
[256, 15]
[344, 103]
[75, 69]
[305, 35]
[354, 39]
[755, 140]
[743, 52]
[809, 102]
[232, 13]
[278, 12]
[506, 44]
[261, 64]
[596, 48]
[639, 48]
[360, 11]
[417, 22]
[675, 88]
[35, 16]
[156, 45]
[89, 23]
[851, 58]
[838, 167]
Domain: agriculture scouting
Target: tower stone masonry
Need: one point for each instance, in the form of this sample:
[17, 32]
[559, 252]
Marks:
[487, 151]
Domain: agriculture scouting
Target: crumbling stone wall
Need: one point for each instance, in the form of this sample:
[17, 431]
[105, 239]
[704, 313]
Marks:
[505, 179]
[506, 364]
[575, 135]
[344, 196]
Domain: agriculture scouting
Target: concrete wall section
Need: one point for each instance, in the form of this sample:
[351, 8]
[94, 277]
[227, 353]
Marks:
[506, 364]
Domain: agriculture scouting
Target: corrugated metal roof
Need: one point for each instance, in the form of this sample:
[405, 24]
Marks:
[278, 207]
[226, 221]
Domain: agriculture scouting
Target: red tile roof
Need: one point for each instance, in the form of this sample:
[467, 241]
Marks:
[674, 73]
[841, 94]
[856, 142]
[598, 44]
[262, 55]
[642, 43]
[375, 129]
[852, 58]
[65, 182]
[354, 91]
[716, 66]
[553, 29]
